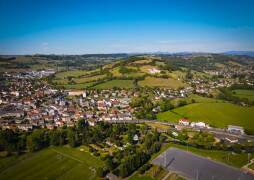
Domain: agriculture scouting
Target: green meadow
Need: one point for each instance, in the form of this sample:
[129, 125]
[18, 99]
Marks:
[249, 94]
[46, 164]
[118, 83]
[219, 115]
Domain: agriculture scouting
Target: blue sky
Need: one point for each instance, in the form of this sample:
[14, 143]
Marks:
[94, 26]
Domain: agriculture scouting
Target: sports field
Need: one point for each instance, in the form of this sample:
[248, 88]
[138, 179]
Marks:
[192, 166]
[56, 163]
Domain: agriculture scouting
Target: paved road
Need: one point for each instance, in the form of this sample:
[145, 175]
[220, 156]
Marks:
[192, 166]
[214, 130]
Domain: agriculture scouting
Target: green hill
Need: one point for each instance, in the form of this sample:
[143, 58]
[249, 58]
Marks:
[218, 114]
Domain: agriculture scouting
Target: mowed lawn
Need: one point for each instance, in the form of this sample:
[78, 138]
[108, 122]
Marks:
[45, 165]
[160, 82]
[245, 94]
[118, 83]
[218, 114]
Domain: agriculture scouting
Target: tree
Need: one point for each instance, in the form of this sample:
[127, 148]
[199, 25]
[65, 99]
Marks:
[237, 148]
[109, 164]
[100, 172]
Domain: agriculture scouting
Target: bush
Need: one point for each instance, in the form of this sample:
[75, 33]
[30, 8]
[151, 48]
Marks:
[96, 153]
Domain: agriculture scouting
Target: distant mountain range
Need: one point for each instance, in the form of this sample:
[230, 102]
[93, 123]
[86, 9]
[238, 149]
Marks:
[249, 53]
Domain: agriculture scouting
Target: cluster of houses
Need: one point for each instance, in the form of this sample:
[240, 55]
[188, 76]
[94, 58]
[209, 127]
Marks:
[25, 107]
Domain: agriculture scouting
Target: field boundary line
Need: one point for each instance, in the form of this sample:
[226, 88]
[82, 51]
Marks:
[67, 156]
[68, 172]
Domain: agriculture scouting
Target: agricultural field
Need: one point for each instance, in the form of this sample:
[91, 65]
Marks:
[78, 86]
[116, 72]
[219, 115]
[118, 83]
[169, 116]
[87, 79]
[245, 94]
[143, 61]
[176, 74]
[65, 74]
[160, 82]
[55, 163]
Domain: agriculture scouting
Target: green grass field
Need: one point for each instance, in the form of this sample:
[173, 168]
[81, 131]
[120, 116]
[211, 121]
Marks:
[168, 116]
[218, 114]
[118, 83]
[78, 86]
[245, 94]
[116, 72]
[160, 82]
[45, 165]
[251, 166]
[148, 174]
[70, 73]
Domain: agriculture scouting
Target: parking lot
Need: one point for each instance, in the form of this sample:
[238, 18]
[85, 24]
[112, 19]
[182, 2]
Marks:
[193, 166]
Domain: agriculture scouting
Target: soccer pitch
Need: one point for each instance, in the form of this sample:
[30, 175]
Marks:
[58, 163]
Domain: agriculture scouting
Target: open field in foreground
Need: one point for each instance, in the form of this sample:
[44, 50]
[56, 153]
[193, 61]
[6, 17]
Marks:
[44, 164]
[160, 82]
[218, 114]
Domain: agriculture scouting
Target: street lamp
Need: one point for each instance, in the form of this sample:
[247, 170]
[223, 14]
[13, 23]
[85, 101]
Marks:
[248, 160]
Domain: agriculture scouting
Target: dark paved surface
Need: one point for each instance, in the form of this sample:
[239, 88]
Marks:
[193, 166]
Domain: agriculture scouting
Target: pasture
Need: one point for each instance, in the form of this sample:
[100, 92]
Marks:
[118, 83]
[249, 94]
[65, 74]
[78, 86]
[46, 164]
[169, 116]
[219, 115]
[160, 82]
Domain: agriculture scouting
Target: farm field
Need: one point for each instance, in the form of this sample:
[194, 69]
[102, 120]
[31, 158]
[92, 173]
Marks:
[118, 83]
[245, 94]
[201, 99]
[169, 116]
[218, 114]
[78, 86]
[160, 82]
[70, 73]
[45, 165]
[116, 72]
